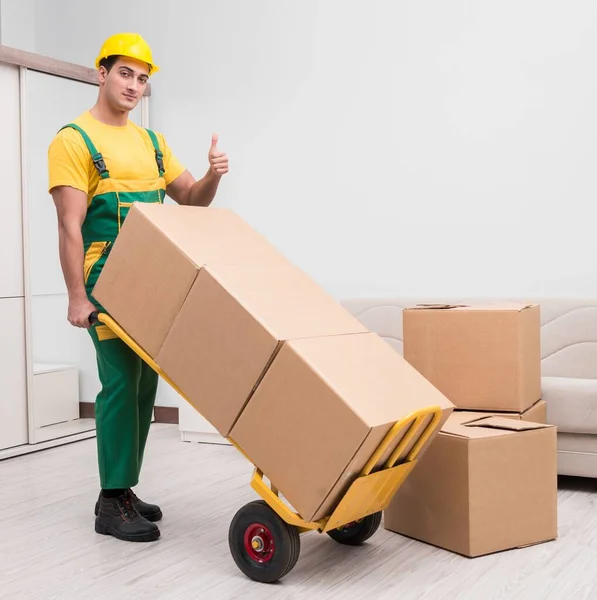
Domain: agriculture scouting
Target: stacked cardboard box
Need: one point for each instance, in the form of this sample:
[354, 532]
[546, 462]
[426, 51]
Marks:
[260, 350]
[489, 480]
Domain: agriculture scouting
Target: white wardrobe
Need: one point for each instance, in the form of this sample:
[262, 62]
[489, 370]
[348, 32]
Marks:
[13, 374]
[47, 367]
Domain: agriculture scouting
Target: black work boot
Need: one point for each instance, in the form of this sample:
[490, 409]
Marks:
[119, 517]
[151, 512]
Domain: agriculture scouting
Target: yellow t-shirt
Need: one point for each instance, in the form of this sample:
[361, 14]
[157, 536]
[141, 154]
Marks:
[127, 152]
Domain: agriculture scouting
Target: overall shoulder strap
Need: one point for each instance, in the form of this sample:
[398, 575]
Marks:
[96, 157]
[159, 155]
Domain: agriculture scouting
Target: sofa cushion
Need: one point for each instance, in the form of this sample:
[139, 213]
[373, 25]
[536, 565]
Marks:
[571, 403]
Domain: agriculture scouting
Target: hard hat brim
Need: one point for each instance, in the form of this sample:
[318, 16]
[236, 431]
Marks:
[152, 67]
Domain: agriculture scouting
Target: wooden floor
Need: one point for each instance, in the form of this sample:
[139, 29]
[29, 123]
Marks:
[49, 550]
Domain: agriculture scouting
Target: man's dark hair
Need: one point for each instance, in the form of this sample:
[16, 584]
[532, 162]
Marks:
[109, 62]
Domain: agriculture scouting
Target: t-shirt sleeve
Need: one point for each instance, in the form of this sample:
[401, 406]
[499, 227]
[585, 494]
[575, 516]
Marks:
[174, 168]
[68, 163]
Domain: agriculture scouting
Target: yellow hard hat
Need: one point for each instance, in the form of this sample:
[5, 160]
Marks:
[127, 44]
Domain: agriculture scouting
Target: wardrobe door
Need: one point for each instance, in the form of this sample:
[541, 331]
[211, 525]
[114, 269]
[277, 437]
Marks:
[13, 374]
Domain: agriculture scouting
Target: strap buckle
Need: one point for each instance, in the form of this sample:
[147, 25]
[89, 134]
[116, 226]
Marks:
[99, 163]
[159, 158]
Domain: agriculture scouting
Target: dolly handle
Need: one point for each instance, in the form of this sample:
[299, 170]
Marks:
[108, 321]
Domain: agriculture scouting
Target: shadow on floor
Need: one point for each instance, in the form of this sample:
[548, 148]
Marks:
[579, 484]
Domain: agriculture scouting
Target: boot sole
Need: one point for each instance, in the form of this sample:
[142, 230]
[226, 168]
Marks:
[142, 537]
[153, 518]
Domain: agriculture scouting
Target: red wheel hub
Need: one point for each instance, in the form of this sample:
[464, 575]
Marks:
[259, 543]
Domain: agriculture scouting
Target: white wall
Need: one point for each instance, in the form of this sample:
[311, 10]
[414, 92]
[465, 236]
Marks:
[17, 24]
[378, 143]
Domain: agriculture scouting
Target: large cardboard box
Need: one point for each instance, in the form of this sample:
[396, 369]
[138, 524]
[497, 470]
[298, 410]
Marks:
[232, 324]
[485, 484]
[157, 256]
[322, 409]
[482, 357]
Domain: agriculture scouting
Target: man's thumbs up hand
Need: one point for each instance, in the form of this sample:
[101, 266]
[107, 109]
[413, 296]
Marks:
[218, 160]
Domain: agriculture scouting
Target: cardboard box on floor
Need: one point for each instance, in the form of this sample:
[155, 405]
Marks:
[485, 485]
[244, 333]
[482, 357]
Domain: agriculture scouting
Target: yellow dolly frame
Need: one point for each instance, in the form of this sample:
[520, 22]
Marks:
[264, 535]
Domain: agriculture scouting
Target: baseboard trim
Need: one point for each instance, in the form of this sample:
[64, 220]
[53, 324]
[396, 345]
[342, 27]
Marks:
[166, 414]
[87, 410]
[163, 414]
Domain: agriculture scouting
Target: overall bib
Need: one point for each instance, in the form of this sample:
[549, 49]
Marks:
[124, 406]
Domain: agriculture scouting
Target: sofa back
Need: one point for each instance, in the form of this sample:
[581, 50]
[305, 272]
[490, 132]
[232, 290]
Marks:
[568, 328]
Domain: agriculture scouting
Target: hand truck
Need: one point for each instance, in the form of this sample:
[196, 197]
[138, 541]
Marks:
[264, 535]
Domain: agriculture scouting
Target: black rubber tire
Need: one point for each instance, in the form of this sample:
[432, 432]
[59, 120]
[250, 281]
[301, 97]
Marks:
[357, 533]
[285, 537]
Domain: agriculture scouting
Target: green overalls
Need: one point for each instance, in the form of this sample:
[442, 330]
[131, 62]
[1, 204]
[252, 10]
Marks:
[124, 406]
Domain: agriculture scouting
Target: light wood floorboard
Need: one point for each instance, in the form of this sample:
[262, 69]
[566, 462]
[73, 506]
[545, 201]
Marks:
[49, 550]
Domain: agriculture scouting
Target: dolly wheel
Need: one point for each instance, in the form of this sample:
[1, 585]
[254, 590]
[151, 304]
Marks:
[264, 547]
[357, 532]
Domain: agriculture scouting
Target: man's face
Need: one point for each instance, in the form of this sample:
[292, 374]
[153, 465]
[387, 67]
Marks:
[125, 84]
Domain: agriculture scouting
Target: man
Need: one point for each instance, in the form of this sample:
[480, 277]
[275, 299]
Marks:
[98, 166]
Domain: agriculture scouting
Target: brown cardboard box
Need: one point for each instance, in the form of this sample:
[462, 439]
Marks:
[321, 410]
[484, 357]
[536, 414]
[232, 324]
[157, 257]
[484, 485]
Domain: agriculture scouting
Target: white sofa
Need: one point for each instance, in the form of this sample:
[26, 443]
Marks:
[569, 365]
